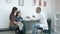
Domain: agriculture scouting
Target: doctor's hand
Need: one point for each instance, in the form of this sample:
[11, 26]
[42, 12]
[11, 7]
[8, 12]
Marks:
[33, 16]
[27, 17]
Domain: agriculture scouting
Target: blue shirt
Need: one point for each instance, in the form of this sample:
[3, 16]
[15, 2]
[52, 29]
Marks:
[17, 19]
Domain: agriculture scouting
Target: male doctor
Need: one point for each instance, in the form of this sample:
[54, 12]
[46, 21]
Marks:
[42, 21]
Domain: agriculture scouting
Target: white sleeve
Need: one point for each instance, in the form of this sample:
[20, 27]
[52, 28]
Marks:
[36, 18]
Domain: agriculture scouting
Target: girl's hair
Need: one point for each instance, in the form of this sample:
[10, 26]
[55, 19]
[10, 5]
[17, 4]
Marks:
[17, 13]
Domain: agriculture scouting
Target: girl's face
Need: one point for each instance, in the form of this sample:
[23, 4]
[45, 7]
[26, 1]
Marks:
[19, 14]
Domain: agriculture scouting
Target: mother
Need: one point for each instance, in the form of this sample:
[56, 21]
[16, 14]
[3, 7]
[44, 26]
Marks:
[13, 25]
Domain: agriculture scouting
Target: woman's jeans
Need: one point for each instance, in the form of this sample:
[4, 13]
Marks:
[34, 28]
[14, 27]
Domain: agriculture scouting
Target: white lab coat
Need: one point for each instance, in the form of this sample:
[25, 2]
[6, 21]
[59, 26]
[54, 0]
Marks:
[43, 20]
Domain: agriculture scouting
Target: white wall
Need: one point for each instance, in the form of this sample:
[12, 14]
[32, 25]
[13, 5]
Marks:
[27, 10]
[57, 8]
[53, 13]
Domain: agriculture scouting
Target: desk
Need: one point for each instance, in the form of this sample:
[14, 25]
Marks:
[28, 26]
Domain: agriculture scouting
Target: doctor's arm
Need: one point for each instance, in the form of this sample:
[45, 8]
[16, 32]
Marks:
[33, 18]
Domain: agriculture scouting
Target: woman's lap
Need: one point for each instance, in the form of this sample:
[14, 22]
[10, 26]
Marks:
[14, 27]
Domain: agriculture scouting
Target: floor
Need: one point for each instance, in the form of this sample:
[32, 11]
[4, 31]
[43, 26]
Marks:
[11, 32]
[7, 32]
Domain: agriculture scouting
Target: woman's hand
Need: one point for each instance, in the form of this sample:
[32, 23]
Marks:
[20, 22]
[15, 22]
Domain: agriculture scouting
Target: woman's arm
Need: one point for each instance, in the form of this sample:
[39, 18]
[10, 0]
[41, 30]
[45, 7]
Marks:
[15, 22]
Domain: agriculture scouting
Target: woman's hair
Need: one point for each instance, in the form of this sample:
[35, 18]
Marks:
[17, 13]
[13, 10]
[12, 13]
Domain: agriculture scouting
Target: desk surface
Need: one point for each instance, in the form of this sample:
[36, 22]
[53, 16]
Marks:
[31, 20]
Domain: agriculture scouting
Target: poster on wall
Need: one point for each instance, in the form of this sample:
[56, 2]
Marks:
[37, 2]
[8, 1]
[34, 2]
[45, 3]
[21, 2]
[40, 2]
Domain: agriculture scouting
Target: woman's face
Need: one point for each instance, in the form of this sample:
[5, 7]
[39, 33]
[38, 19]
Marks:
[15, 13]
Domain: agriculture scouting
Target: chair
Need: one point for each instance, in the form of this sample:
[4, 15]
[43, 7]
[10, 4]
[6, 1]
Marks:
[49, 26]
[13, 29]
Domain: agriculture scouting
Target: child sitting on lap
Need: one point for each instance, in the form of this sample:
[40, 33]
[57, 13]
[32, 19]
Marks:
[19, 19]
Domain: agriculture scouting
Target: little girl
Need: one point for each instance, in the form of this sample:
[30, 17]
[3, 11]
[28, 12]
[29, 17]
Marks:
[19, 19]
